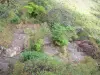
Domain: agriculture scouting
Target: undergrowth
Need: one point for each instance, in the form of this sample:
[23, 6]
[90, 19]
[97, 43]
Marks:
[39, 63]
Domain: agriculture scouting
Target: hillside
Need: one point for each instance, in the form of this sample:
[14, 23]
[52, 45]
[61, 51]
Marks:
[49, 37]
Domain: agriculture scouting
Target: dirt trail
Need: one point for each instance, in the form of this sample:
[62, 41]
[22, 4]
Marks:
[17, 44]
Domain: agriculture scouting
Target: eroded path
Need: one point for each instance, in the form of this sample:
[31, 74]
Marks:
[17, 44]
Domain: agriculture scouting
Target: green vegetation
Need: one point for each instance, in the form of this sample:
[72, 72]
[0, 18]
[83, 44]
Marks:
[17, 70]
[34, 10]
[58, 35]
[35, 45]
[55, 67]
[27, 55]
[62, 34]
[15, 20]
[38, 45]
[36, 37]
[57, 22]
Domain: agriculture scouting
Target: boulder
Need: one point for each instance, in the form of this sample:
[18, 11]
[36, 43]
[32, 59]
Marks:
[87, 47]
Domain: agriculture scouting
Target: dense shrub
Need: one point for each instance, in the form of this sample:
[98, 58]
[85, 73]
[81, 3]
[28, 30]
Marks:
[35, 45]
[38, 45]
[34, 10]
[54, 67]
[28, 55]
[62, 34]
[39, 67]
[15, 20]
[58, 35]
[18, 69]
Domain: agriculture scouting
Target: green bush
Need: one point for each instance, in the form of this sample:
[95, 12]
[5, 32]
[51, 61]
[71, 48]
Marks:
[34, 10]
[15, 20]
[53, 67]
[43, 67]
[28, 55]
[41, 64]
[18, 69]
[35, 45]
[36, 65]
[59, 35]
[38, 45]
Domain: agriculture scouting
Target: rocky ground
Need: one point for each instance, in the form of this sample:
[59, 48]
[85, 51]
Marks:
[10, 55]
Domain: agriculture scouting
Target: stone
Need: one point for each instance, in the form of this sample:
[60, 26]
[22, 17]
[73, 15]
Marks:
[74, 54]
[87, 47]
